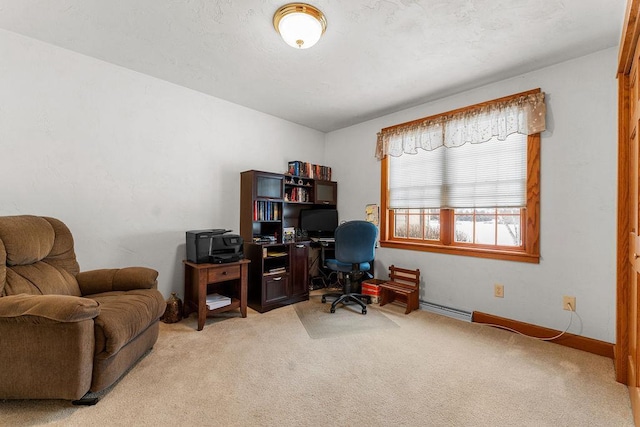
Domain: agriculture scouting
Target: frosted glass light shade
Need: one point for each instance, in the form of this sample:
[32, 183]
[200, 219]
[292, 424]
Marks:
[300, 25]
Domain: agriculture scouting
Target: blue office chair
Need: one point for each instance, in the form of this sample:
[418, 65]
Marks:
[355, 247]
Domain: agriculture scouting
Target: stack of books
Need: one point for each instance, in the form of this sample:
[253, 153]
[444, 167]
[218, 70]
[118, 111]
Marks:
[216, 301]
[309, 170]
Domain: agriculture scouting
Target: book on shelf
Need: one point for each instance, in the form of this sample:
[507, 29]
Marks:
[216, 301]
[274, 254]
[278, 270]
[309, 170]
[266, 211]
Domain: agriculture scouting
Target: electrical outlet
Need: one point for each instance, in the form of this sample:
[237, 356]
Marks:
[498, 290]
[569, 303]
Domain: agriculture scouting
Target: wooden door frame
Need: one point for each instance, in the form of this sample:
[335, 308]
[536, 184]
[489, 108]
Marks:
[625, 60]
[628, 43]
[622, 268]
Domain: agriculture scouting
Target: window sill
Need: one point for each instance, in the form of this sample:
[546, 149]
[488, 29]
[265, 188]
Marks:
[518, 256]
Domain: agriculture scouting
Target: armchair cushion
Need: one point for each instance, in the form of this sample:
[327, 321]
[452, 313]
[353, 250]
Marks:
[58, 308]
[116, 279]
[26, 239]
[123, 316]
[40, 278]
[36, 257]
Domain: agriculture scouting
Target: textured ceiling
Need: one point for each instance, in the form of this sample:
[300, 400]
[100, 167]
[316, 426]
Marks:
[376, 57]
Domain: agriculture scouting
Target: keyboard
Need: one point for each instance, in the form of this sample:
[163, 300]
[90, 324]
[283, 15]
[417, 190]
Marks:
[323, 239]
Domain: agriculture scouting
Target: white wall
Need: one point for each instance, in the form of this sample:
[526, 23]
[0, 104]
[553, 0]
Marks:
[578, 204]
[127, 161]
[130, 163]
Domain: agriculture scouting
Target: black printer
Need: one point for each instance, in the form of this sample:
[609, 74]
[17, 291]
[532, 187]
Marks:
[213, 246]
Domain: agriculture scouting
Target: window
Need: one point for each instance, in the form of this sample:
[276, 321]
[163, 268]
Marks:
[487, 226]
[478, 199]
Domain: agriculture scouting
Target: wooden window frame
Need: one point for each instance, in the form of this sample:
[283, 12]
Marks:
[521, 215]
[530, 216]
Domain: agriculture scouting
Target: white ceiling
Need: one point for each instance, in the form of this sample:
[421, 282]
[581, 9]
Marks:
[376, 57]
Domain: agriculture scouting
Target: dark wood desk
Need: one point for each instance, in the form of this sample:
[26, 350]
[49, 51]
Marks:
[228, 279]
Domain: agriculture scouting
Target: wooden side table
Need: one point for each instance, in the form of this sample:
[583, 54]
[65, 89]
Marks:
[228, 279]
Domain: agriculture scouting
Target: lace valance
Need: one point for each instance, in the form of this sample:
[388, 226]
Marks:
[521, 114]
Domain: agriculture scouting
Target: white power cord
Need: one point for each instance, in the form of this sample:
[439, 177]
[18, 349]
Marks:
[537, 338]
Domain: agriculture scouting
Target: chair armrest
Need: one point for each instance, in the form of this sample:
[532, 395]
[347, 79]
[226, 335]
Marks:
[46, 346]
[58, 308]
[116, 279]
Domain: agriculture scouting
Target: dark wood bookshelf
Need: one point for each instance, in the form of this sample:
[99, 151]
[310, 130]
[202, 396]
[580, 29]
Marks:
[272, 289]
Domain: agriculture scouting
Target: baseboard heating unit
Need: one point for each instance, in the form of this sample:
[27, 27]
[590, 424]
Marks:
[445, 311]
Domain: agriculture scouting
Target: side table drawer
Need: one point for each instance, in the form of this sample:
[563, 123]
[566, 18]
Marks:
[223, 273]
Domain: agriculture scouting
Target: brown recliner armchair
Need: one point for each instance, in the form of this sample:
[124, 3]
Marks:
[64, 333]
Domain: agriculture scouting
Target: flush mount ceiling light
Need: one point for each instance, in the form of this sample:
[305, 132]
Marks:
[299, 24]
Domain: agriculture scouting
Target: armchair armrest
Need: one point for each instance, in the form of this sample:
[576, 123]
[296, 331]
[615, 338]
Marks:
[116, 279]
[46, 346]
[57, 308]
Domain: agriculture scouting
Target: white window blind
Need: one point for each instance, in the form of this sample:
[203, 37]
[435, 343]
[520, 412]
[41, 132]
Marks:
[486, 175]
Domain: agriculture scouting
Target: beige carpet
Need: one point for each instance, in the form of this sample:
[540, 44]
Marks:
[265, 370]
[321, 323]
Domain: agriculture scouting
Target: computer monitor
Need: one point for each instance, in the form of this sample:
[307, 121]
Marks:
[319, 222]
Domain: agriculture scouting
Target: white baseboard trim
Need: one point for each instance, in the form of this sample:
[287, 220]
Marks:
[445, 311]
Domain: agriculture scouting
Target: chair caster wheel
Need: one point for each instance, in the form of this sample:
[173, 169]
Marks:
[333, 310]
[323, 299]
[364, 311]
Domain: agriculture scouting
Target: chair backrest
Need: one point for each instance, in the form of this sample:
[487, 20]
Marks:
[355, 242]
[37, 257]
[409, 279]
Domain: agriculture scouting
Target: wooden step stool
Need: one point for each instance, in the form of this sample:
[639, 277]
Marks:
[403, 286]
